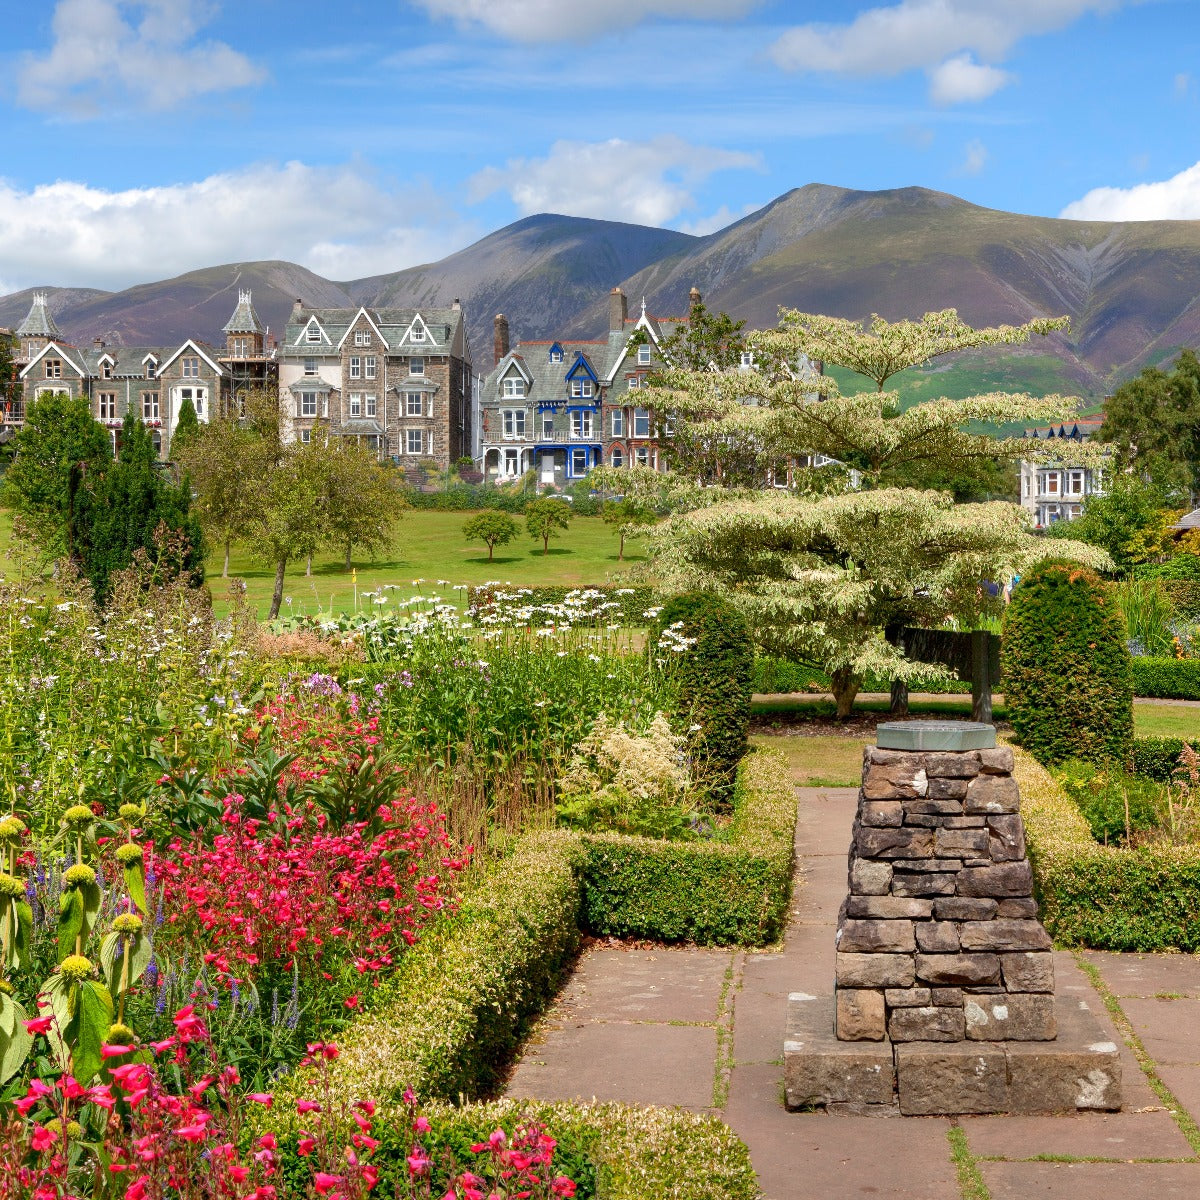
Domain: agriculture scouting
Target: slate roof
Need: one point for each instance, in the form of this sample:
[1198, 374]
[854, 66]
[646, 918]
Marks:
[1076, 431]
[244, 319]
[393, 323]
[1188, 521]
[39, 322]
[548, 379]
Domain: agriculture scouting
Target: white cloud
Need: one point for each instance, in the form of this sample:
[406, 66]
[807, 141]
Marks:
[1174, 199]
[339, 221]
[1182, 86]
[647, 183]
[139, 51]
[939, 36]
[554, 21]
[719, 220]
[961, 80]
[975, 158]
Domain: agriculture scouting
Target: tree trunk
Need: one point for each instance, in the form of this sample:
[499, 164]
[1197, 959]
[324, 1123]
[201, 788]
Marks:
[491, 550]
[308, 564]
[225, 565]
[349, 547]
[621, 548]
[277, 594]
[844, 684]
[546, 544]
[899, 698]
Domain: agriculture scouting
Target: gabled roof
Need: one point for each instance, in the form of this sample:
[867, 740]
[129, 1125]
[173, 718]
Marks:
[244, 319]
[67, 353]
[443, 327]
[548, 381]
[1188, 521]
[655, 328]
[196, 348]
[39, 321]
[582, 366]
[362, 312]
[302, 333]
[1075, 431]
[510, 361]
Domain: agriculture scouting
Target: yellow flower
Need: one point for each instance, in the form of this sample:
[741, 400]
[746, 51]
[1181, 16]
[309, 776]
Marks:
[130, 852]
[77, 814]
[11, 887]
[76, 968]
[79, 875]
[128, 923]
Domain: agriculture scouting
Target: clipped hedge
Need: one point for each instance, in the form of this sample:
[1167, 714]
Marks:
[1157, 758]
[1185, 597]
[711, 893]
[1167, 678]
[1105, 897]
[630, 603]
[456, 1008]
[611, 1151]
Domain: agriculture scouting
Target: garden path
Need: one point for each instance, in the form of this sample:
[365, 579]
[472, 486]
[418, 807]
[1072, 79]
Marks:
[703, 1030]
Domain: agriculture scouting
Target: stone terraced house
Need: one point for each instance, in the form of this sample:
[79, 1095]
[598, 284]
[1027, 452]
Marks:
[151, 381]
[396, 379]
[1055, 490]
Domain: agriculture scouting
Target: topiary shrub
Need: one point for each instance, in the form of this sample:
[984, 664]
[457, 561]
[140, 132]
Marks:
[706, 648]
[1157, 757]
[1066, 668]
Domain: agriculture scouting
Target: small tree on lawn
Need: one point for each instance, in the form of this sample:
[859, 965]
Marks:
[629, 517]
[187, 428]
[545, 518]
[492, 528]
[362, 500]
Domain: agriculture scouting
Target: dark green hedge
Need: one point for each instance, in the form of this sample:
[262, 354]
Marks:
[463, 497]
[1185, 596]
[631, 603]
[711, 893]
[1066, 667]
[1167, 678]
[1157, 758]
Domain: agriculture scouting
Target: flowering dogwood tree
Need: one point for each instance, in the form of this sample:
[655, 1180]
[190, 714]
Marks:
[822, 577]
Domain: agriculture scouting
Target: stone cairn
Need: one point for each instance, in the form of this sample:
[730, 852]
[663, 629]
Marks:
[938, 939]
[944, 991]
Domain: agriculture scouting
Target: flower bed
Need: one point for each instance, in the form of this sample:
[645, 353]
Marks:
[711, 893]
[1109, 898]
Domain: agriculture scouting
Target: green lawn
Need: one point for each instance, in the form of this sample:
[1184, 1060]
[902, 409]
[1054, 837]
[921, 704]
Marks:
[429, 546]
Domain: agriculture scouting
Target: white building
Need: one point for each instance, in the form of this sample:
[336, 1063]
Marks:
[1055, 490]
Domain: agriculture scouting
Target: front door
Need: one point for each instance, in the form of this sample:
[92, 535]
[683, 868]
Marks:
[547, 468]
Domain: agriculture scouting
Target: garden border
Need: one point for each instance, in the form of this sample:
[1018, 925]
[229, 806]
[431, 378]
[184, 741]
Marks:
[1104, 897]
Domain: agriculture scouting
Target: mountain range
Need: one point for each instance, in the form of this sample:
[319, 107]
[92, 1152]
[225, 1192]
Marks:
[1130, 288]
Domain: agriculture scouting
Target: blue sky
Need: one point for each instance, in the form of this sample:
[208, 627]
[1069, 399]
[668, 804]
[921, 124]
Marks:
[148, 137]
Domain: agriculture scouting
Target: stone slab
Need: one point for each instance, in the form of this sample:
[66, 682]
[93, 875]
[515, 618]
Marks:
[1168, 1028]
[1149, 974]
[1091, 1181]
[628, 1063]
[1184, 1083]
[1121, 1135]
[818, 1070]
[954, 736]
[948, 1078]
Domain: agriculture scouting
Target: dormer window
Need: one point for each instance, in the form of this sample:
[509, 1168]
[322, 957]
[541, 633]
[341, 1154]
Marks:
[514, 388]
[150, 369]
[313, 333]
[556, 354]
[581, 389]
[746, 359]
[416, 333]
[643, 356]
[106, 370]
[362, 337]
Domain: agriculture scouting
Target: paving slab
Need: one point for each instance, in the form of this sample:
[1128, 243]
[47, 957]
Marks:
[1149, 974]
[634, 1064]
[1120, 1135]
[1184, 1083]
[1092, 1181]
[664, 984]
[1168, 1028]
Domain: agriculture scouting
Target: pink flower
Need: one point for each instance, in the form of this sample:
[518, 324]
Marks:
[261, 1098]
[38, 1025]
[137, 1189]
[418, 1162]
[107, 1051]
[305, 1146]
[324, 1182]
[307, 1106]
[42, 1138]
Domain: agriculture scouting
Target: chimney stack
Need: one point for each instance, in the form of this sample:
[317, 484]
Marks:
[500, 339]
[694, 298]
[456, 306]
[297, 309]
[618, 310]
[97, 343]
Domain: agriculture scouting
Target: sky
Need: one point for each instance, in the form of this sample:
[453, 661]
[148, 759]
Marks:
[145, 138]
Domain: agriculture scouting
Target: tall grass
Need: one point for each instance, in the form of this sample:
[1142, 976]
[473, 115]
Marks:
[1149, 617]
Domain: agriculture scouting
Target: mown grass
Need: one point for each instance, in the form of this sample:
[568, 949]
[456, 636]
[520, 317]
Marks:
[428, 546]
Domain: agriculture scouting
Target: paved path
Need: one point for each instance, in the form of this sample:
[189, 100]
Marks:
[703, 1029]
[930, 697]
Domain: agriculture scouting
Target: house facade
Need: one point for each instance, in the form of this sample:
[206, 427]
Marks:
[398, 380]
[1054, 489]
[151, 381]
[562, 407]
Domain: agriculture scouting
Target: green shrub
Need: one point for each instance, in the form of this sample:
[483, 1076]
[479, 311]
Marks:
[1167, 678]
[1157, 758]
[1106, 897]
[1066, 667]
[708, 655]
[711, 893]
[1117, 806]
[629, 605]
[611, 1151]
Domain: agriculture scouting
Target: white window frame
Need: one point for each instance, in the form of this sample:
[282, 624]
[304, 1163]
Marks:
[645, 350]
[189, 366]
[556, 356]
[641, 422]
[362, 337]
[151, 367]
[53, 368]
[305, 436]
[513, 422]
[641, 456]
[310, 367]
[108, 406]
[151, 409]
[579, 461]
[370, 405]
[416, 366]
[355, 400]
[617, 457]
[106, 370]
[513, 388]
[355, 366]
[369, 366]
[581, 425]
[1075, 477]
[416, 333]
[414, 404]
[618, 422]
[414, 441]
[308, 404]
[547, 423]
[313, 333]
[582, 389]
